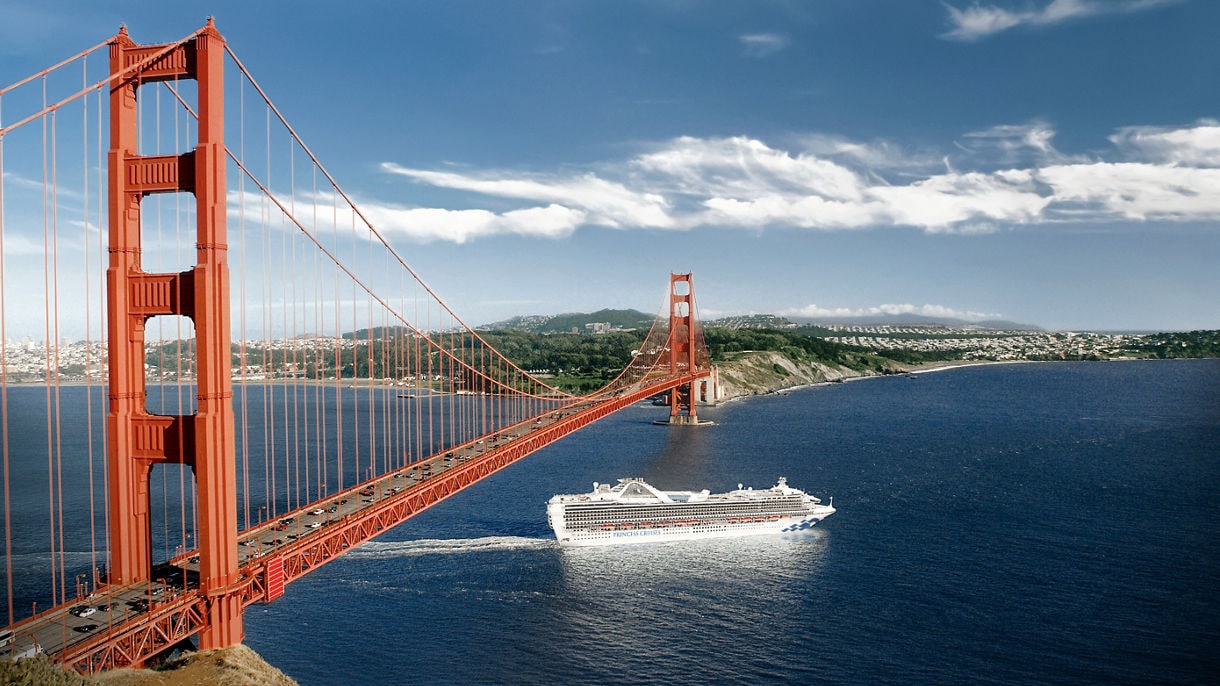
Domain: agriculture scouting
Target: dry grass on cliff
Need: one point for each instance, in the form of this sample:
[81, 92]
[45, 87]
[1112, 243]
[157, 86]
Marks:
[760, 372]
[235, 666]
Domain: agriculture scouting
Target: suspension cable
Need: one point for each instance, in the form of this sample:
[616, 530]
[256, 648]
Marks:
[124, 75]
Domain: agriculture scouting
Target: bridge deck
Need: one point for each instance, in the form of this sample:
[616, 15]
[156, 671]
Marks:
[130, 624]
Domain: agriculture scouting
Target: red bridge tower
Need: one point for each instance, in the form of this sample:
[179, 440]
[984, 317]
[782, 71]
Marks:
[683, 345]
[137, 439]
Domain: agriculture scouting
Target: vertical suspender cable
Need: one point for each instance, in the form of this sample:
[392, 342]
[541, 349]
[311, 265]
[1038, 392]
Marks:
[178, 345]
[368, 354]
[267, 422]
[295, 340]
[4, 449]
[287, 333]
[89, 381]
[316, 338]
[46, 287]
[431, 444]
[418, 405]
[59, 452]
[355, 371]
[242, 266]
[101, 303]
[268, 359]
[338, 356]
[386, 445]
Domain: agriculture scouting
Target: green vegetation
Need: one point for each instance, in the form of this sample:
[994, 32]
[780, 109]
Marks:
[802, 348]
[566, 323]
[580, 362]
[1177, 345]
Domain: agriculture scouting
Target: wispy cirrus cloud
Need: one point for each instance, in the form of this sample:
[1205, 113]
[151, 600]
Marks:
[1032, 142]
[977, 22]
[762, 44]
[1003, 176]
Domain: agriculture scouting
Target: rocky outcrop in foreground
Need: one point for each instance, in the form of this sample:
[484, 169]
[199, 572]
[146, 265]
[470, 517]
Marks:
[235, 666]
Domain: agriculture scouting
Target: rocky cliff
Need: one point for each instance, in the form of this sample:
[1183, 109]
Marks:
[757, 373]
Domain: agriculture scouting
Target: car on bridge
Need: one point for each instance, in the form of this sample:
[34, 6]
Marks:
[81, 611]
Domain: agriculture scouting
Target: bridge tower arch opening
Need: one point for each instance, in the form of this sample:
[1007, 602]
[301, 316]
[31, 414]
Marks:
[204, 440]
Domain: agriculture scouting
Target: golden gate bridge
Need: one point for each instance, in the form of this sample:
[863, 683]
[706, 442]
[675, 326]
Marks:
[241, 406]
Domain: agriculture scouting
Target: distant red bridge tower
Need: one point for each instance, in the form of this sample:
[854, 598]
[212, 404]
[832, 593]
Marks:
[685, 341]
[138, 439]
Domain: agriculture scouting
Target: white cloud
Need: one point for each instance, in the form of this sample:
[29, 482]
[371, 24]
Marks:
[1198, 145]
[980, 21]
[1136, 191]
[602, 202]
[742, 166]
[941, 203]
[817, 312]
[1162, 174]
[420, 224]
[762, 44]
[460, 226]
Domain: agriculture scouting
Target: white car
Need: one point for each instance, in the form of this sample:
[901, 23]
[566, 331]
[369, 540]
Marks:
[314, 525]
[318, 511]
[82, 611]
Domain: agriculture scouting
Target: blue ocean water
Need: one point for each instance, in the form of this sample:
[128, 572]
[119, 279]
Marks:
[1037, 523]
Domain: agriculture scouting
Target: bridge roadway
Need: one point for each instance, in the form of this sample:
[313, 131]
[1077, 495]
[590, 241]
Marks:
[130, 624]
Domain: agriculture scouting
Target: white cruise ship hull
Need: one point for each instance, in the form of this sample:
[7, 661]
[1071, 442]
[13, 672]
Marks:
[635, 512]
[686, 532]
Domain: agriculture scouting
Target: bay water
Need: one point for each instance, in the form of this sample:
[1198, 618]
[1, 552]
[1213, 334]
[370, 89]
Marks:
[1043, 523]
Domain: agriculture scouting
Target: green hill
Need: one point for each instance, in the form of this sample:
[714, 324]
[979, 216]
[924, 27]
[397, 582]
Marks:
[566, 323]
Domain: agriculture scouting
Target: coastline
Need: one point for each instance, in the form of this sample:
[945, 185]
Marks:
[774, 384]
[761, 370]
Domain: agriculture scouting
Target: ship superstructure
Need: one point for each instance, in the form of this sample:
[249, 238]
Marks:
[634, 511]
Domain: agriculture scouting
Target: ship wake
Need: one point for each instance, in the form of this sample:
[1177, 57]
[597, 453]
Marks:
[447, 546]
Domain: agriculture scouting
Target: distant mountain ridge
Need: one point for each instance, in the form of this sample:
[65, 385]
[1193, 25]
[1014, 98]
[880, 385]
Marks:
[634, 319]
[574, 321]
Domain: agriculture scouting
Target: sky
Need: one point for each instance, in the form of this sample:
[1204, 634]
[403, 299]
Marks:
[1049, 162]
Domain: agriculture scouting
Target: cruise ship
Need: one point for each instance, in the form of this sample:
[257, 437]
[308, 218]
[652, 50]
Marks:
[633, 511]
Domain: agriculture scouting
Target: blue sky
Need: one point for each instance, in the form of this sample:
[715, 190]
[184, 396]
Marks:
[1048, 162]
